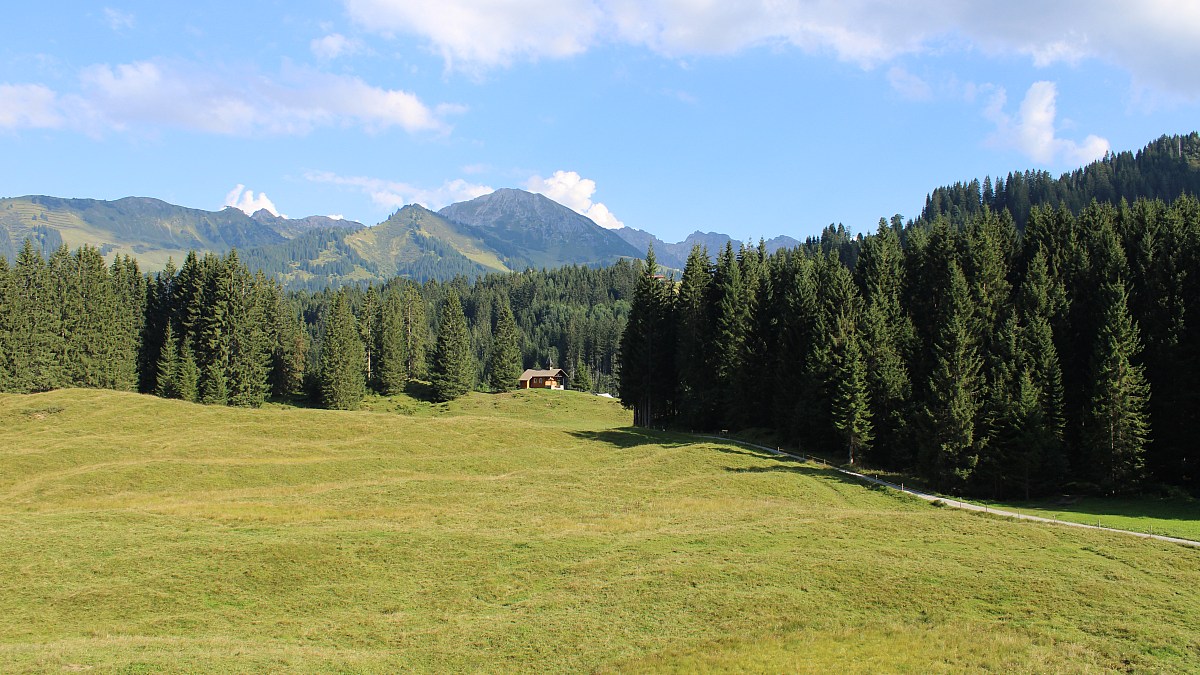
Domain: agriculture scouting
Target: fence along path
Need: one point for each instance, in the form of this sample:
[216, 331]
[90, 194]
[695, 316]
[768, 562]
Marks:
[954, 502]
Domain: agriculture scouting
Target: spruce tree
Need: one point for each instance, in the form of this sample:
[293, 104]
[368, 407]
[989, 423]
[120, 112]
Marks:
[504, 356]
[168, 366]
[851, 404]
[697, 384]
[647, 350]
[187, 374]
[1116, 423]
[950, 453]
[35, 325]
[393, 363]
[453, 370]
[341, 359]
[6, 375]
[416, 332]
[581, 377]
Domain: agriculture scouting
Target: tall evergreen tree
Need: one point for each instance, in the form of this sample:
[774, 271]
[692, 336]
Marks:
[416, 332]
[393, 359]
[168, 366]
[1116, 425]
[504, 357]
[851, 405]
[698, 390]
[186, 383]
[647, 351]
[453, 362]
[340, 376]
[950, 453]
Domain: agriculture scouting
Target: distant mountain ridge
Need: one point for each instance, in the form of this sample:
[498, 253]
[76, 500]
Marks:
[675, 255]
[531, 230]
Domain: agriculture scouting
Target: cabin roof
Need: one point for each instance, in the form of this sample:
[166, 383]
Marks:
[533, 372]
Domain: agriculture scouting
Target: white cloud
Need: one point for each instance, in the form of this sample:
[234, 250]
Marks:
[149, 95]
[118, 20]
[245, 200]
[472, 34]
[1158, 41]
[908, 85]
[334, 45]
[1032, 131]
[29, 106]
[391, 194]
[575, 192]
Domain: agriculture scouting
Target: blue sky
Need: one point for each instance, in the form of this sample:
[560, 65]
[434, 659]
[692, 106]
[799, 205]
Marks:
[752, 119]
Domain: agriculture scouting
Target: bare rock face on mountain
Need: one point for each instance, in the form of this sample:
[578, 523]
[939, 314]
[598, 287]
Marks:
[529, 229]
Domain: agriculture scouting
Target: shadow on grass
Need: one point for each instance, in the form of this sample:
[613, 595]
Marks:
[794, 466]
[1180, 509]
[631, 437]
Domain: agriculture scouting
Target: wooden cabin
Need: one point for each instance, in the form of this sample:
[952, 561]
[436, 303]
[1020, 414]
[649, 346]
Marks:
[554, 378]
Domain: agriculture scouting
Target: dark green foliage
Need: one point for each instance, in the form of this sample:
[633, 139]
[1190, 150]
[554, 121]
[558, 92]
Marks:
[186, 383]
[393, 371]
[647, 354]
[951, 447]
[340, 360]
[504, 357]
[581, 378]
[1116, 426]
[453, 365]
[851, 401]
[168, 366]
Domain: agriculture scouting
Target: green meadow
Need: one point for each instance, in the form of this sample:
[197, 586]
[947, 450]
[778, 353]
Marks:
[534, 531]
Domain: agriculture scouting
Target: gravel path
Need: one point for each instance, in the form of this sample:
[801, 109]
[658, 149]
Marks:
[959, 504]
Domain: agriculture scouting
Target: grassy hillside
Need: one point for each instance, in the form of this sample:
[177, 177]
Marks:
[148, 229]
[531, 531]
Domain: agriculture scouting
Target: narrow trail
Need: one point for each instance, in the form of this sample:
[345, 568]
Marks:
[957, 503]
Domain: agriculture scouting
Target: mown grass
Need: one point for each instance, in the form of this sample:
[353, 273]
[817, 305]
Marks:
[1174, 517]
[531, 531]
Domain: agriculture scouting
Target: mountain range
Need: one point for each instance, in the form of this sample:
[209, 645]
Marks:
[503, 231]
[511, 230]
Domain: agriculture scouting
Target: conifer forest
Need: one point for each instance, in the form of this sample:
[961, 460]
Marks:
[989, 359]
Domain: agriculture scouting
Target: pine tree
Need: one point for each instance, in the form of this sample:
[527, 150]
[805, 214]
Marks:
[504, 357]
[168, 366]
[453, 370]
[393, 360]
[697, 385]
[249, 340]
[731, 319]
[340, 376]
[581, 378]
[6, 304]
[851, 405]
[368, 328]
[416, 332]
[1116, 425]
[187, 374]
[647, 350]
[953, 400]
[35, 325]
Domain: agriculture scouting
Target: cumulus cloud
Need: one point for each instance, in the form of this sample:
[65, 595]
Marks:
[247, 202]
[29, 106]
[334, 45]
[149, 95]
[392, 194]
[472, 34]
[575, 192]
[1032, 130]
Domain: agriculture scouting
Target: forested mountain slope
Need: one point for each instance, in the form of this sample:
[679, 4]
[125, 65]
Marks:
[1164, 169]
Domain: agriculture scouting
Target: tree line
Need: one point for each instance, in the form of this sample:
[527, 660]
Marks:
[991, 361]
[211, 331]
